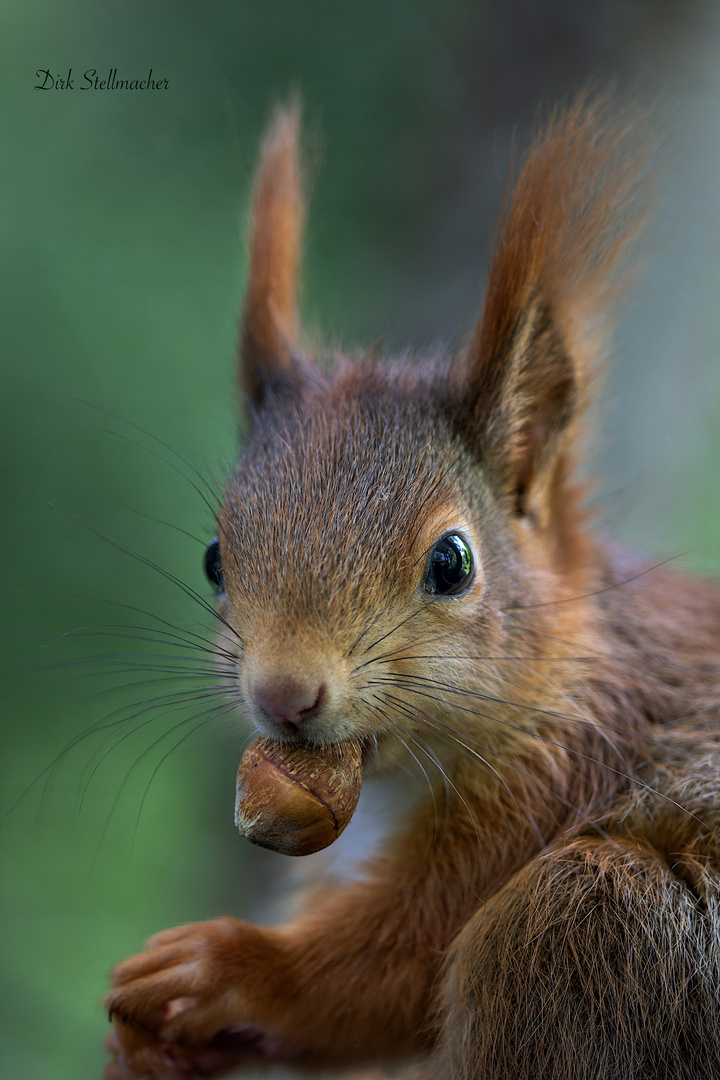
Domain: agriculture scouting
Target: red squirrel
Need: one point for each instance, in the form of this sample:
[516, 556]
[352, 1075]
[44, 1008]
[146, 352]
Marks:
[403, 563]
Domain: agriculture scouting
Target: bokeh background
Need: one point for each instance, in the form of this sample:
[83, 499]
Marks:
[123, 264]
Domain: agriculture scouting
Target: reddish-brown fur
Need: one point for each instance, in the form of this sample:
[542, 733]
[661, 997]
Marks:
[551, 907]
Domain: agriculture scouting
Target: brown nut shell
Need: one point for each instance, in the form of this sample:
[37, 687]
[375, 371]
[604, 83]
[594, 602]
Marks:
[296, 799]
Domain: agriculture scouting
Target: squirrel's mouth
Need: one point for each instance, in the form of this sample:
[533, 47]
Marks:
[370, 745]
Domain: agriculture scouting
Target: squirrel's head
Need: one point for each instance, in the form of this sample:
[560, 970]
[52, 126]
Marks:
[394, 539]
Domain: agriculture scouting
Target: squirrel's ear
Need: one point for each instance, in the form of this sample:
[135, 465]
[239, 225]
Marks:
[269, 356]
[569, 216]
[525, 394]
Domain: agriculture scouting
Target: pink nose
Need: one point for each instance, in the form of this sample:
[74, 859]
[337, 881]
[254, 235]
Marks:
[288, 700]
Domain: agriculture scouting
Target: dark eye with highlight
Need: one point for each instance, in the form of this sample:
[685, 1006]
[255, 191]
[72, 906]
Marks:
[451, 567]
[212, 564]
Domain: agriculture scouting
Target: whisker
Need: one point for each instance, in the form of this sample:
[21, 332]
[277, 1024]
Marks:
[392, 724]
[150, 706]
[467, 743]
[224, 682]
[137, 762]
[178, 582]
[391, 653]
[166, 446]
[413, 615]
[364, 632]
[203, 723]
[144, 633]
[172, 632]
[424, 681]
[198, 491]
[167, 524]
[484, 658]
[567, 749]
[448, 781]
[584, 715]
[595, 592]
[190, 695]
[135, 662]
[484, 762]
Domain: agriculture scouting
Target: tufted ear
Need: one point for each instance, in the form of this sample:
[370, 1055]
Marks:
[269, 357]
[525, 397]
[568, 218]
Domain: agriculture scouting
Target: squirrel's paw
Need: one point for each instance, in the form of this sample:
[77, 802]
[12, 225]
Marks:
[182, 1007]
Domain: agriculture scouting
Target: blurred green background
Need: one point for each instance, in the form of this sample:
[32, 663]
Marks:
[123, 267]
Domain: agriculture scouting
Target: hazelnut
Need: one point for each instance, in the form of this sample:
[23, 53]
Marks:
[296, 799]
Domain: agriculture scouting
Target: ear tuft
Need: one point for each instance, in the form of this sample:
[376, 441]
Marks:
[570, 215]
[268, 349]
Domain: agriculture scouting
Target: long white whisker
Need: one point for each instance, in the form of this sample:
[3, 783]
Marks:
[632, 778]
[453, 786]
[390, 723]
[454, 738]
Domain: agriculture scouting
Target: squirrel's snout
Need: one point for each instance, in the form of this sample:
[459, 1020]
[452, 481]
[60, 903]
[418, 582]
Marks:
[288, 700]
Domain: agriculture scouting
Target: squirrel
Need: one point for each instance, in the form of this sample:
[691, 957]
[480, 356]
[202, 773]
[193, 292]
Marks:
[403, 562]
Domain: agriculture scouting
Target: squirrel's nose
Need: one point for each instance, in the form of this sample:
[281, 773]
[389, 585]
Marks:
[289, 701]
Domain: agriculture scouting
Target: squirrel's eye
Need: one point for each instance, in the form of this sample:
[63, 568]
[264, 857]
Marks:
[212, 565]
[450, 566]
